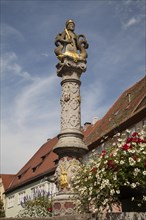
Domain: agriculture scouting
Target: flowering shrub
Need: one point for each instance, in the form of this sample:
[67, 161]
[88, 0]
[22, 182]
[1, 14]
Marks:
[40, 206]
[99, 181]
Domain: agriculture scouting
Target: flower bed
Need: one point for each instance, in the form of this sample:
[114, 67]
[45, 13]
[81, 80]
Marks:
[99, 181]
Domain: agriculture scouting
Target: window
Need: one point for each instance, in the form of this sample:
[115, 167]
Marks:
[51, 189]
[38, 191]
[21, 197]
[36, 167]
[22, 174]
[10, 201]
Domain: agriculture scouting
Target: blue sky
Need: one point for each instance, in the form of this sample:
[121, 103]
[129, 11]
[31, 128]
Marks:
[30, 88]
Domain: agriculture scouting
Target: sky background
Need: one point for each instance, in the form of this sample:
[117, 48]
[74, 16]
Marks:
[30, 88]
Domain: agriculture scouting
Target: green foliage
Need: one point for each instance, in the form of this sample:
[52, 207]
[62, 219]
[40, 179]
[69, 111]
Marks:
[39, 207]
[100, 180]
[2, 211]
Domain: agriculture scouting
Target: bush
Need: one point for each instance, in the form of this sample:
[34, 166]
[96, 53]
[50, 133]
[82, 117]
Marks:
[38, 207]
[2, 211]
[99, 181]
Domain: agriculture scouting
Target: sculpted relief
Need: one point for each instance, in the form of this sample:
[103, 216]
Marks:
[70, 106]
[67, 167]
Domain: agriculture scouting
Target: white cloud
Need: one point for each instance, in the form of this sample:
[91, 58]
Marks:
[30, 117]
[45, 54]
[33, 118]
[17, 147]
[132, 21]
[10, 31]
[28, 126]
[91, 99]
[30, 99]
[29, 103]
[10, 65]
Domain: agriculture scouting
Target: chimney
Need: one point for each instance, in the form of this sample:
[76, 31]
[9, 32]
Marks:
[86, 125]
[95, 119]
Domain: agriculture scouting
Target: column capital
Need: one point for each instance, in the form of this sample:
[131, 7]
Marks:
[69, 67]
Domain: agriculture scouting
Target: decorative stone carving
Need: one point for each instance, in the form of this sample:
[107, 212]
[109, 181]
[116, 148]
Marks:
[69, 66]
[66, 168]
[70, 105]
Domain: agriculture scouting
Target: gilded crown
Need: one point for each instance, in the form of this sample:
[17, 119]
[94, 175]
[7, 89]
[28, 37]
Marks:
[69, 21]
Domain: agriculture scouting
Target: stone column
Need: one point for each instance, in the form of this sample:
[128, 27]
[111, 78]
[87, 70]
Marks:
[70, 147]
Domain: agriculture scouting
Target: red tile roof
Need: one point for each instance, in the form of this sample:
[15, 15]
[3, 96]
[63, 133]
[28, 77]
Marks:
[42, 162]
[123, 109]
[6, 180]
[130, 103]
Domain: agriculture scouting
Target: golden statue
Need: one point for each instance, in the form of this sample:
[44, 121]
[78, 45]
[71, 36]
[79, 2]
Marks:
[70, 45]
[63, 179]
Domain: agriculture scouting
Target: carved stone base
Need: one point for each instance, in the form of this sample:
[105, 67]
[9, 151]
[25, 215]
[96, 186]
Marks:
[64, 204]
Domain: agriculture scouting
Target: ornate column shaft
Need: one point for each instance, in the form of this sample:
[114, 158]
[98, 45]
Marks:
[70, 147]
[70, 138]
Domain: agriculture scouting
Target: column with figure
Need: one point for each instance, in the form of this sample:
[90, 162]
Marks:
[71, 52]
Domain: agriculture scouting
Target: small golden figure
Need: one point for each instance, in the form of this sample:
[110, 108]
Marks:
[63, 179]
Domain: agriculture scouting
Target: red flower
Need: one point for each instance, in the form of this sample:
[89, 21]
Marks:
[137, 140]
[103, 153]
[134, 134]
[129, 140]
[94, 170]
[111, 165]
[49, 209]
[141, 141]
[135, 157]
[126, 147]
[145, 165]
